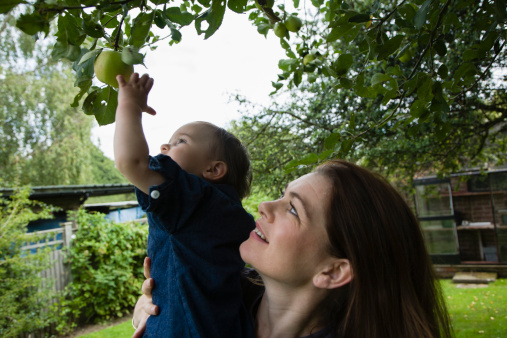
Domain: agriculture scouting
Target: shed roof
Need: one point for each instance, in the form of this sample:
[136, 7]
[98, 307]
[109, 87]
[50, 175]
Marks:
[71, 196]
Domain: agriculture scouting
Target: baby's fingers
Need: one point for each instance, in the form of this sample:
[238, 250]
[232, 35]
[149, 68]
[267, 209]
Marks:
[150, 111]
[121, 80]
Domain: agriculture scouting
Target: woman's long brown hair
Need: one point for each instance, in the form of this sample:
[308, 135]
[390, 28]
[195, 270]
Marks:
[394, 292]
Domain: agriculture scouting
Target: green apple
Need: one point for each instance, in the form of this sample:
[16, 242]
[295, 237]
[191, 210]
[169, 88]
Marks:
[280, 29]
[108, 65]
[308, 58]
[293, 23]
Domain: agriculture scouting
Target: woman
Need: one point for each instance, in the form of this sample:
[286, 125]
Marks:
[340, 254]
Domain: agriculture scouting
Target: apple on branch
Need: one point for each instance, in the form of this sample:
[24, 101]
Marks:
[293, 23]
[108, 65]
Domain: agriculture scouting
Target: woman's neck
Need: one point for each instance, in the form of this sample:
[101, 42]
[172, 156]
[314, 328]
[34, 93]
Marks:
[288, 312]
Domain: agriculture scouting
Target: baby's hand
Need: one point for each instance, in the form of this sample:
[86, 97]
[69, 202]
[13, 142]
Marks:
[135, 91]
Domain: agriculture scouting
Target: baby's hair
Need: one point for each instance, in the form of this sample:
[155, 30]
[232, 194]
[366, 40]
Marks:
[228, 148]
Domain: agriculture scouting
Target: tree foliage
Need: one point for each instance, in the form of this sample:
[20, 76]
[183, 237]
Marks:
[44, 140]
[107, 269]
[24, 294]
[401, 71]
[404, 88]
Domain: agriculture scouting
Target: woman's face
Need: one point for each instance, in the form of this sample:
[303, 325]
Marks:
[290, 242]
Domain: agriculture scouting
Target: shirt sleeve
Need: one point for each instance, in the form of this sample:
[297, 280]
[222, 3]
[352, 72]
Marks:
[172, 202]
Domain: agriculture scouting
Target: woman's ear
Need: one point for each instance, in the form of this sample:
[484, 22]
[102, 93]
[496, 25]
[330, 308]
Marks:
[336, 274]
[215, 171]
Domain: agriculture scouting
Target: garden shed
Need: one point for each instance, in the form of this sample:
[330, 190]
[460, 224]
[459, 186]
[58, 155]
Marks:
[464, 216]
[67, 197]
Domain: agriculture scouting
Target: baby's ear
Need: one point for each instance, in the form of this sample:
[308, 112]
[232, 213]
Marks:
[215, 171]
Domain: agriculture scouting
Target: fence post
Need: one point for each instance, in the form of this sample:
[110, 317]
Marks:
[68, 234]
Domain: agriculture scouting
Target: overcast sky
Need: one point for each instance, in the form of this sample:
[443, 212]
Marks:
[194, 78]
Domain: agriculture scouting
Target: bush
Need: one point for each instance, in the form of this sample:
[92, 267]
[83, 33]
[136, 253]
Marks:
[24, 294]
[107, 270]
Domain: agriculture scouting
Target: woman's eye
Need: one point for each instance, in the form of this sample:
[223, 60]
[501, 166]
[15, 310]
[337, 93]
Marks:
[293, 210]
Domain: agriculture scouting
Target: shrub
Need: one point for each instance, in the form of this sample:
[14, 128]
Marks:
[24, 294]
[107, 270]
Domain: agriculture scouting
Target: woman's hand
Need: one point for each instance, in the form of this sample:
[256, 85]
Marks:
[144, 306]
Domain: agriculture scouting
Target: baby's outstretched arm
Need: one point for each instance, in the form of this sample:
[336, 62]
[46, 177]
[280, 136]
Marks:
[131, 153]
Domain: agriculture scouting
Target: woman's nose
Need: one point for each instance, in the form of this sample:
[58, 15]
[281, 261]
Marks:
[266, 209]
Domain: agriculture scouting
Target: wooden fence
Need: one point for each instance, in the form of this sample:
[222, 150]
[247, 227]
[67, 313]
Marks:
[59, 273]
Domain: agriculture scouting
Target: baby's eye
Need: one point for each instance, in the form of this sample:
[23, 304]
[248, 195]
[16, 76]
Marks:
[180, 140]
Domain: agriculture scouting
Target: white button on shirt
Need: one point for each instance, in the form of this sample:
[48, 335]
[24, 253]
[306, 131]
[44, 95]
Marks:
[155, 194]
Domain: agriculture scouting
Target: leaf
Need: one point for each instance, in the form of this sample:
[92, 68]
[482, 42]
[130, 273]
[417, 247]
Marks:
[32, 24]
[177, 16]
[366, 92]
[64, 50]
[238, 6]
[84, 89]
[285, 45]
[287, 64]
[102, 104]
[68, 31]
[424, 89]
[342, 65]
[7, 5]
[345, 147]
[379, 78]
[310, 158]
[325, 154]
[500, 9]
[443, 130]
[92, 29]
[360, 18]
[298, 76]
[463, 70]
[443, 72]
[131, 56]
[339, 31]
[263, 28]
[89, 55]
[417, 108]
[175, 34]
[84, 70]
[440, 47]
[420, 16]
[471, 54]
[141, 28]
[277, 85]
[213, 16]
[389, 47]
[332, 140]
[346, 83]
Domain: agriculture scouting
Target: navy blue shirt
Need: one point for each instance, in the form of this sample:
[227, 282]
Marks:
[195, 229]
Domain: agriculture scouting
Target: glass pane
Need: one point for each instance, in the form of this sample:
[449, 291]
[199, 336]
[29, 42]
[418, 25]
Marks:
[502, 244]
[499, 188]
[439, 236]
[433, 200]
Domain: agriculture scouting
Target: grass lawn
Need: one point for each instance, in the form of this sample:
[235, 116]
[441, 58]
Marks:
[478, 312]
[124, 329]
[475, 312]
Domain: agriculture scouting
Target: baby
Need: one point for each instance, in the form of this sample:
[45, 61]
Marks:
[192, 194]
